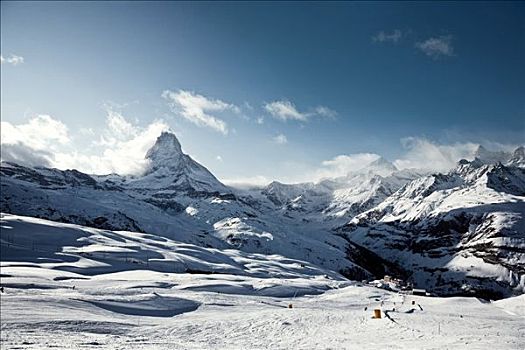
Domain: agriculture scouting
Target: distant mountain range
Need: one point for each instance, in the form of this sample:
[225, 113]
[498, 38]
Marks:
[462, 232]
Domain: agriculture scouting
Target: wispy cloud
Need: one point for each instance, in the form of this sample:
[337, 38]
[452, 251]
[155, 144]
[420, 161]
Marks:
[384, 37]
[437, 47]
[434, 47]
[125, 156]
[419, 153]
[22, 154]
[341, 165]
[280, 139]
[33, 143]
[88, 132]
[388, 37]
[247, 182]
[12, 59]
[325, 112]
[285, 110]
[40, 132]
[46, 141]
[198, 108]
[118, 126]
[120, 149]
[425, 154]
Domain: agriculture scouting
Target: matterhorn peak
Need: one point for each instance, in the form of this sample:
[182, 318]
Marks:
[165, 150]
[169, 165]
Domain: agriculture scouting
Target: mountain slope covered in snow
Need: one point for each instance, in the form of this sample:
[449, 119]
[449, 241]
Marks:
[455, 233]
[176, 198]
[69, 286]
[458, 233]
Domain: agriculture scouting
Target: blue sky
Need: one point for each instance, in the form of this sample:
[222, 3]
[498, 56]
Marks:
[267, 90]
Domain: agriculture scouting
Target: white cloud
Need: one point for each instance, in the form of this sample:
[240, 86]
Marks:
[427, 155]
[122, 156]
[260, 120]
[437, 47]
[280, 139]
[338, 166]
[46, 141]
[284, 110]
[248, 182]
[87, 132]
[420, 153]
[34, 142]
[24, 155]
[196, 108]
[325, 112]
[12, 59]
[40, 132]
[392, 37]
[117, 128]
[43, 140]
[341, 165]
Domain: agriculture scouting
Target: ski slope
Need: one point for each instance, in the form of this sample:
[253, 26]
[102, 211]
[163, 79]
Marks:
[69, 287]
[150, 310]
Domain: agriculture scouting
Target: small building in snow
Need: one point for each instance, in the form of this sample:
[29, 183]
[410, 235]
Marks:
[417, 291]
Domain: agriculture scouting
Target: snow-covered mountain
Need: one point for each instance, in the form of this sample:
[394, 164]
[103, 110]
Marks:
[175, 198]
[458, 232]
[491, 157]
[335, 201]
[172, 170]
[358, 192]
[518, 158]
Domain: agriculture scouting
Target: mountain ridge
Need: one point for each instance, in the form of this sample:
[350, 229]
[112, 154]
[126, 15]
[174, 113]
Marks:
[475, 209]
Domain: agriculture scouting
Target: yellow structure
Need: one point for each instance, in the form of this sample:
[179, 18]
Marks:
[377, 313]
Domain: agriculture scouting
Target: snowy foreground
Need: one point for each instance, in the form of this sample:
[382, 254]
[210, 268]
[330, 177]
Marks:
[78, 287]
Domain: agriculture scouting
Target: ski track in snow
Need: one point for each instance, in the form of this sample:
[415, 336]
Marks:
[57, 318]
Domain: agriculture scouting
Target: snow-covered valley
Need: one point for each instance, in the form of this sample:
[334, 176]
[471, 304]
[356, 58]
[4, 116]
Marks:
[79, 287]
